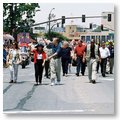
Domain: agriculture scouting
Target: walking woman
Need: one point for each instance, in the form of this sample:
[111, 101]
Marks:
[13, 60]
[66, 57]
[39, 61]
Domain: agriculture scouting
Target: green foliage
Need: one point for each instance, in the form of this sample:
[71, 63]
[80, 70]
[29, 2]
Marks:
[17, 17]
[55, 34]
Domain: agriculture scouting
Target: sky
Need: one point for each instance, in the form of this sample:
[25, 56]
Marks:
[71, 10]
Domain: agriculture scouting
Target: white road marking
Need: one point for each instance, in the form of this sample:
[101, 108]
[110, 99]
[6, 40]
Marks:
[107, 79]
[51, 111]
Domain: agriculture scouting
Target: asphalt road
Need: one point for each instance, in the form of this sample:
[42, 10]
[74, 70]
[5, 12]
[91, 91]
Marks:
[74, 95]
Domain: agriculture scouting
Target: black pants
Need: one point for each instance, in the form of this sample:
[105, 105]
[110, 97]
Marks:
[65, 63]
[97, 68]
[47, 68]
[103, 66]
[38, 71]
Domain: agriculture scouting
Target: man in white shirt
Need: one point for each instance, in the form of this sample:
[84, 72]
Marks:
[104, 55]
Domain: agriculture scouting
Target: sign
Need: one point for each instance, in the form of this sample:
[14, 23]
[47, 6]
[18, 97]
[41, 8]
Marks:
[23, 37]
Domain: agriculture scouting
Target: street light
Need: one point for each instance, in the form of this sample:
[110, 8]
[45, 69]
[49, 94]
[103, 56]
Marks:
[38, 10]
[49, 19]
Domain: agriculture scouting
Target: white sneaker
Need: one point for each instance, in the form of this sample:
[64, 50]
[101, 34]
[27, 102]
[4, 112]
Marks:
[52, 84]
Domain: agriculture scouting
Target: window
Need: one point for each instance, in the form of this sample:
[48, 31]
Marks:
[83, 38]
[103, 38]
[87, 38]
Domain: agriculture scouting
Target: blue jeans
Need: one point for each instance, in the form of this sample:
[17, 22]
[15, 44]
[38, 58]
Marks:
[79, 64]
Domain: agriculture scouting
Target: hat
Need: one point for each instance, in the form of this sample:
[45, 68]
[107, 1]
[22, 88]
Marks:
[39, 45]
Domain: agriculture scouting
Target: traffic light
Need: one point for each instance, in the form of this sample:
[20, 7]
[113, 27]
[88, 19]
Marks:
[102, 27]
[62, 26]
[63, 19]
[90, 25]
[57, 24]
[83, 18]
[109, 17]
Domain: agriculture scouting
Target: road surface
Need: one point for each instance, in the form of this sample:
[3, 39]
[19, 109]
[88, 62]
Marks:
[74, 95]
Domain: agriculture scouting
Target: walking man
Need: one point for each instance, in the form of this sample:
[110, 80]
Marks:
[91, 58]
[104, 55]
[48, 52]
[55, 61]
[111, 49]
[79, 55]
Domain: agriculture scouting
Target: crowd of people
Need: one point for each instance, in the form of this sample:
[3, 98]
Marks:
[54, 55]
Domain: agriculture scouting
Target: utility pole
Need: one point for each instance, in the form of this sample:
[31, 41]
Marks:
[49, 18]
[11, 18]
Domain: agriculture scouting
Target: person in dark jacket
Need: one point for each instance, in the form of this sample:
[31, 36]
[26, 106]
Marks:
[111, 58]
[39, 60]
[4, 56]
[65, 57]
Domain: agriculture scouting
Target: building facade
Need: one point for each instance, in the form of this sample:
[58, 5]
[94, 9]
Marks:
[72, 33]
[76, 32]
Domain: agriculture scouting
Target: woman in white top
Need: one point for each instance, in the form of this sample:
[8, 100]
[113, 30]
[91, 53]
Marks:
[39, 61]
[14, 59]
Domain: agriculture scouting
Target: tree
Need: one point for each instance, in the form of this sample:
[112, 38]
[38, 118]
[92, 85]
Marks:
[18, 17]
[55, 34]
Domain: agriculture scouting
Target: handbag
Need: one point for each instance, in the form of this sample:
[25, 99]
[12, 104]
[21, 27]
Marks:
[74, 62]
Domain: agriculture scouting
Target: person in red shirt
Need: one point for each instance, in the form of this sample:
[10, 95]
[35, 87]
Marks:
[39, 61]
[80, 56]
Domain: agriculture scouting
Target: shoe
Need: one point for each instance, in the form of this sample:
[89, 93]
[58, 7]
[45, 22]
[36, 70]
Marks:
[111, 73]
[103, 75]
[90, 81]
[77, 74]
[48, 77]
[11, 81]
[107, 73]
[52, 84]
[82, 74]
[63, 74]
[36, 84]
[58, 83]
[93, 81]
[39, 83]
